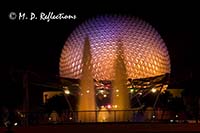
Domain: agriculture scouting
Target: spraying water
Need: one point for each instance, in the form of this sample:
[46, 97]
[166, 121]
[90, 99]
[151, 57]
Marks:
[120, 94]
[86, 106]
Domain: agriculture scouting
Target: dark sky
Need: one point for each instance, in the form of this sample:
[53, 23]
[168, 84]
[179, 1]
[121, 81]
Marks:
[38, 44]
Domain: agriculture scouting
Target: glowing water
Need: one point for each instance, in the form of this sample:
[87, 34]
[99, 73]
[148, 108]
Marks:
[120, 94]
[87, 94]
[103, 115]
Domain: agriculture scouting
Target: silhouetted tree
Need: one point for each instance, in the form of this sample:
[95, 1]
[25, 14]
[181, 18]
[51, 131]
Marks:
[57, 103]
[191, 98]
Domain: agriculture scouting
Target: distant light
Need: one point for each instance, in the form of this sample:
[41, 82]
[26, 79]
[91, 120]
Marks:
[15, 124]
[65, 87]
[140, 93]
[70, 118]
[101, 91]
[105, 95]
[115, 106]
[67, 92]
[153, 116]
[117, 95]
[88, 91]
[176, 116]
[21, 115]
[102, 107]
[131, 90]
[153, 90]
[117, 90]
[109, 106]
[171, 121]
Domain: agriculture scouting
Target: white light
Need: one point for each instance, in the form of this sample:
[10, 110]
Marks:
[102, 107]
[176, 116]
[88, 91]
[109, 106]
[131, 90]
[21, 115]
[65, 87]
[101, 91]
[140, 93]
[117, 90]
[15, 124]
[67, 92]
[70, 118]
[153, 90]
[105, 95]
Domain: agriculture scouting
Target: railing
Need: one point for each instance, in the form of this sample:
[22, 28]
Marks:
[40, 118]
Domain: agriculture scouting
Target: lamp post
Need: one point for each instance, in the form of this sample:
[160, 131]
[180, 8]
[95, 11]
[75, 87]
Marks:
[66, 93]
[26, 99]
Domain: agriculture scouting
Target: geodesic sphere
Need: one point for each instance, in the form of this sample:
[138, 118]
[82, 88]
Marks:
[144, 51]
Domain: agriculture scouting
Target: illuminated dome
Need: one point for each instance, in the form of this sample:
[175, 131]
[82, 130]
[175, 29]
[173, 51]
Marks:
[144, 51]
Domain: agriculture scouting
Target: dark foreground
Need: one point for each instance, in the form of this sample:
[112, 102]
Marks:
[107, 128]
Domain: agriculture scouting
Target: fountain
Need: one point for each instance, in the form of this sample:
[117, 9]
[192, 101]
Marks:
[143, 55]
[120, 93]
[87, 104]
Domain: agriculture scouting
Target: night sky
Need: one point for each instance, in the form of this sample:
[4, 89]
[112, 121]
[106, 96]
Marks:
[37, 44]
